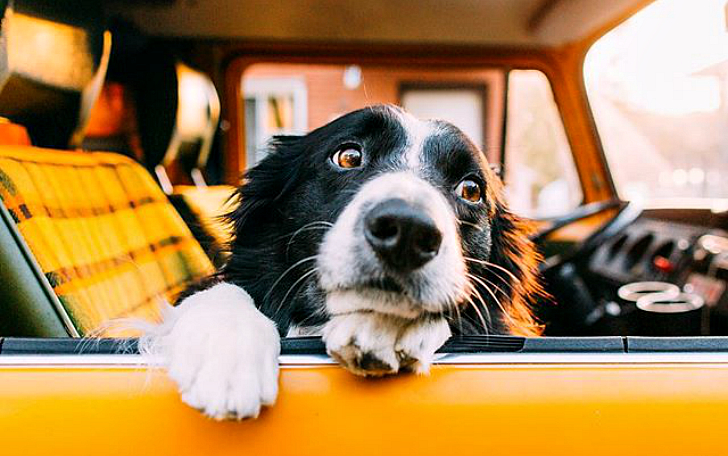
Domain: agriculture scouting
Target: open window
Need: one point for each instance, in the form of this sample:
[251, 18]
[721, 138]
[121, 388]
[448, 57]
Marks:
[462, 104]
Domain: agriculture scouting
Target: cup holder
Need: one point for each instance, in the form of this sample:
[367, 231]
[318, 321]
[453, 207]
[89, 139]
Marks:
[667, 314]
[632, 292]
[667, 303]
[660, 309]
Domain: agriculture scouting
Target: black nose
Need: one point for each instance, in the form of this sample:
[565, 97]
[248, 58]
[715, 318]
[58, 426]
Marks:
[403, 236]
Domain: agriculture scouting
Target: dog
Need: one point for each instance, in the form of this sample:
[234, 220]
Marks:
[383, 233]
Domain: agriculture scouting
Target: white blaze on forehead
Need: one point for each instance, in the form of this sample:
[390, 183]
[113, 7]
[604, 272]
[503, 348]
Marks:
[417, 133]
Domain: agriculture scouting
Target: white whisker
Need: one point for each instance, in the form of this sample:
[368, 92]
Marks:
[318, 225]
[497, 266]
[292, 287]
[294, 265]
[480, 280]
[480, 315]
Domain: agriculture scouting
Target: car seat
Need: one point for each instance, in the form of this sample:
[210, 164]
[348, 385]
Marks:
[85, 237]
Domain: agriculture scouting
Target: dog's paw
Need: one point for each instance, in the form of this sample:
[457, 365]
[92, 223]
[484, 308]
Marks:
[363, 343]
[221, 351]
[417, 343]
[375, 344]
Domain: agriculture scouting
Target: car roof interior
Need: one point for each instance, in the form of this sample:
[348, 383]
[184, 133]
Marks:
[523, 23]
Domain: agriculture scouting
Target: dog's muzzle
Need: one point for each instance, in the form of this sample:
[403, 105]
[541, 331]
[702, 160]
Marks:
[403, 237]
[394, 249]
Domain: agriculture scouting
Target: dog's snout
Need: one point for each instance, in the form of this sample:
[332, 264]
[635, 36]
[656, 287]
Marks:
[403, 237]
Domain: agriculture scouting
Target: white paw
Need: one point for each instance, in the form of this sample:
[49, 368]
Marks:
[376, 344]
[221, 351]
[417, 344]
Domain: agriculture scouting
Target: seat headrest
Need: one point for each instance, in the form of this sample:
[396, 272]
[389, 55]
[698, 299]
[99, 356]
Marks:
[178, 112]
[198, 112]
[53, 59]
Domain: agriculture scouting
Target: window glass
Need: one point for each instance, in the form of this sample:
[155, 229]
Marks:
[295, 98]
[658, 88]
[273, 106]
[541, 180]
[463, 106]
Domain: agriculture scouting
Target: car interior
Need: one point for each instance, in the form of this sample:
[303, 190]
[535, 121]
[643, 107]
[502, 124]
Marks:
[127, 126]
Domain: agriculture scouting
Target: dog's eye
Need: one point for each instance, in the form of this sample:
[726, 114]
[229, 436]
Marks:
[469, 190]
[347, 157]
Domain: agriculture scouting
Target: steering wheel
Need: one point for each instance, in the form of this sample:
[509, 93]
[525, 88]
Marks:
[627, 212]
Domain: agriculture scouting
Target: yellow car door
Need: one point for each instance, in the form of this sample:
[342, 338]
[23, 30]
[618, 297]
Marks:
[504, 396]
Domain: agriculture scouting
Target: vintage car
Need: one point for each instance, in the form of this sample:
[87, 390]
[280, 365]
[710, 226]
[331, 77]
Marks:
[126, 126]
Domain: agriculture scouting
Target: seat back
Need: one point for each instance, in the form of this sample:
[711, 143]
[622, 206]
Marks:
[171, 112]
[103, 234]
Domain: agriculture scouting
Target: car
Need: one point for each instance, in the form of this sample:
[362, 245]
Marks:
[127, 126]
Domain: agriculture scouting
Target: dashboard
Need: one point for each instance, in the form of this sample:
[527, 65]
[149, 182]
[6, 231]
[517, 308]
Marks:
[681, 254]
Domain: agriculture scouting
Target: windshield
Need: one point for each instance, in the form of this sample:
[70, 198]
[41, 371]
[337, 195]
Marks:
[658, 88]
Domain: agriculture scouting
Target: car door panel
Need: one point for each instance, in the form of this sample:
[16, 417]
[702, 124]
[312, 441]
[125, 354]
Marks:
[492, 404]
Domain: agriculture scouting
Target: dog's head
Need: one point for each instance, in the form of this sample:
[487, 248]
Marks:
[380, 211]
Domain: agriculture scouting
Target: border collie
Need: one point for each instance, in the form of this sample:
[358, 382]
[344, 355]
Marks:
[383, 233]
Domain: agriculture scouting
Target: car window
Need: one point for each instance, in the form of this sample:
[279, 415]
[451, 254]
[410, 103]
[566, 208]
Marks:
[540, 175]
[273, 106]
[283, 98]
[658, 88]
[463, 105]
[541, 178]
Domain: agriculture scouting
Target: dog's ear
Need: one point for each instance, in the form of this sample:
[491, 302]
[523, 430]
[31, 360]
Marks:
[517, 255]
[267, 183]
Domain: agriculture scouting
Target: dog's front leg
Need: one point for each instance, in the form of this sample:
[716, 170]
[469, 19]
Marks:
[374, 344]
[221, 350]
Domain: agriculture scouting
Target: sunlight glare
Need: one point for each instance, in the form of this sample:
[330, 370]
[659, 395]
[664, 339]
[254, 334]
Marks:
[664, 58]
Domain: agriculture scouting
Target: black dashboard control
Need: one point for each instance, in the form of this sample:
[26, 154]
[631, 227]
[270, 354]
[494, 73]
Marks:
[637, 251]
[617, 246]
[682, 253]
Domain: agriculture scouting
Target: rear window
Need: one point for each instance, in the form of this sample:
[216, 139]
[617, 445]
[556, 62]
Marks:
[285, 98]
[539, 170]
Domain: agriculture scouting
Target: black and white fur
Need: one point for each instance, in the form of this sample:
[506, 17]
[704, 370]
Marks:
[300, 263]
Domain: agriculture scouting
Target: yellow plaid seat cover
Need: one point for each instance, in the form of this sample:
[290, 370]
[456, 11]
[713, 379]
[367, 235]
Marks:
[103, 233]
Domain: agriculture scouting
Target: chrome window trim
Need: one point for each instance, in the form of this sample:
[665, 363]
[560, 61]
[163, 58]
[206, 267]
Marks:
[482, 359]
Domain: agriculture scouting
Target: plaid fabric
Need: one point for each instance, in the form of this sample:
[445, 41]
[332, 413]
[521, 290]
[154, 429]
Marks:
[102, 231]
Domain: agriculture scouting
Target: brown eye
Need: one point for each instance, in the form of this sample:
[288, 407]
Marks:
[469, 190]
[347, 158]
